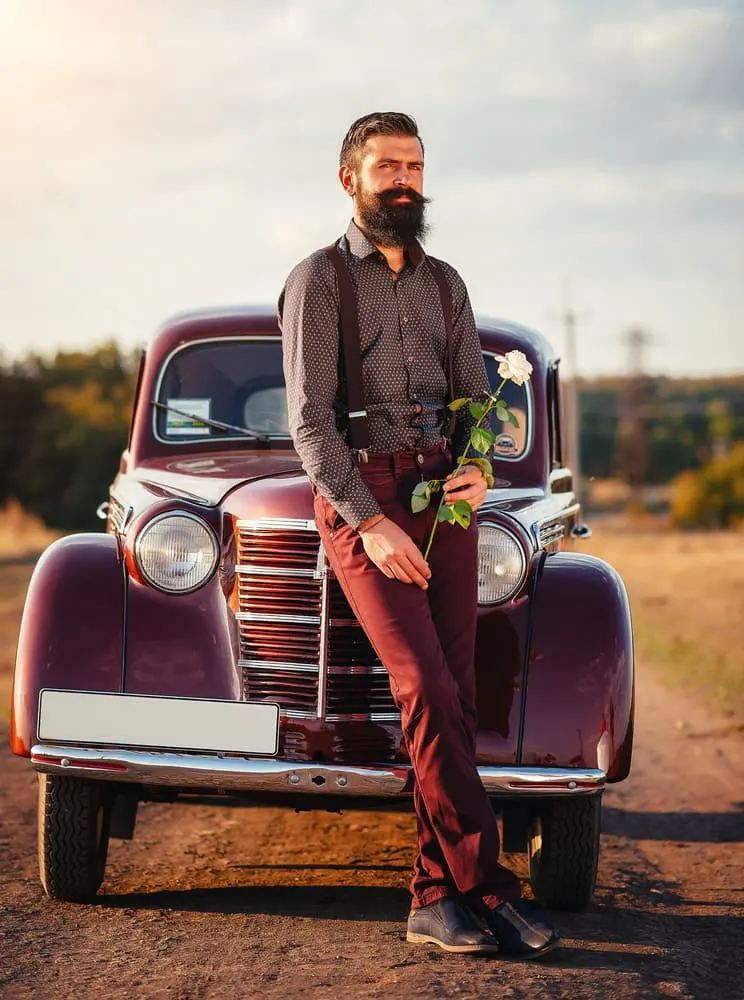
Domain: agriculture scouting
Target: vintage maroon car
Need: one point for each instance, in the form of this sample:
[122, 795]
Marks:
[202, 646]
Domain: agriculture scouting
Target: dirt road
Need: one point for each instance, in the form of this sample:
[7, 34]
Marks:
[211, 901]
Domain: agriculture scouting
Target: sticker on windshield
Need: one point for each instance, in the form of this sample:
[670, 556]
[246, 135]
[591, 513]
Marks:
[184, 416]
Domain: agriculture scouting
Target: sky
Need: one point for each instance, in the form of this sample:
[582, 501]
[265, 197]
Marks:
[159, 155]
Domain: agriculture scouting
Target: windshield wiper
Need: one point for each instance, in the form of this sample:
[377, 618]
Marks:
[207, 421]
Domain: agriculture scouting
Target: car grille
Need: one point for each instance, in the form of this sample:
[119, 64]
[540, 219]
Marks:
[300, 644]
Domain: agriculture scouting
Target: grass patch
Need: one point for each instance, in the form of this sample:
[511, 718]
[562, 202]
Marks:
[22, 538]
[687, 599]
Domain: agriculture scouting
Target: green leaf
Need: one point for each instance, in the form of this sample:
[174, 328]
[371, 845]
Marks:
[477, 410]
[419, 503]
[457, 404]
[446, 513]
[462, 512]
[481, 439]
[502, 413]
[421, 497]
[485, 466]
[512, 419]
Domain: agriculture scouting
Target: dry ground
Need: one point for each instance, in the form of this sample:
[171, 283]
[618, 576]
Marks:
[687, 599]
[211, 901]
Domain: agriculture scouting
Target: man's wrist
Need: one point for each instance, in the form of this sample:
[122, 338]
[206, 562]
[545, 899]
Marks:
[370, 523]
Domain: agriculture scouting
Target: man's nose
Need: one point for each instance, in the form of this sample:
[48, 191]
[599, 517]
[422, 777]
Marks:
[403, 176]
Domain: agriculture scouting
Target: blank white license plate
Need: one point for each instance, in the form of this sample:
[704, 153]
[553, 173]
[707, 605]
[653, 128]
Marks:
[134, 720]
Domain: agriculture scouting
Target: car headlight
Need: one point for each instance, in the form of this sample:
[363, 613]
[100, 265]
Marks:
[501, 564]
[176, 552]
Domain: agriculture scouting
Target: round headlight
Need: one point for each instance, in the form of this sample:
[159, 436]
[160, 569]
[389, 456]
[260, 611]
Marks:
[176, 552]
[501, 564]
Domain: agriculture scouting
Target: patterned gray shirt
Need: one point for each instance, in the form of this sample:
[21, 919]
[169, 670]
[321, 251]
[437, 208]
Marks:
[403, 341]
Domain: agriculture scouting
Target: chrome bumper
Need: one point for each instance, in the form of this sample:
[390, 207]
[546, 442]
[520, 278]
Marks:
[250, 774]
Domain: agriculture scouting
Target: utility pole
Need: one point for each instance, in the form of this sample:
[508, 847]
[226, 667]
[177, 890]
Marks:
[631, 443]
[570, 386]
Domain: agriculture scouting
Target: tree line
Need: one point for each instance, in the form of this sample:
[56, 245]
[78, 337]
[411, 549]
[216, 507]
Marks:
[64, 422]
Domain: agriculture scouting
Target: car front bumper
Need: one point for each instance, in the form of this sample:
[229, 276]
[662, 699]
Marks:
[228, 773]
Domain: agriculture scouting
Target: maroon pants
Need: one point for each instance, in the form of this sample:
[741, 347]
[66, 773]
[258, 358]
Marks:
[426, 640]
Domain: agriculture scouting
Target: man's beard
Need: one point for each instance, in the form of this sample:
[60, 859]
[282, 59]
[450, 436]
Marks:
[388, 223]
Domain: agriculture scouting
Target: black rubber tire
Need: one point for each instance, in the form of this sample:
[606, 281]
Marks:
[73, 830]
[564, 852]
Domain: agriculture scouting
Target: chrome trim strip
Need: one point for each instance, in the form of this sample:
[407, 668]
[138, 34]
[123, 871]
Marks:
[248, 569]
[276, 524]
[275, 668]
[364, 717]
[246, 774]
[321, 565]
[359, 670]
[323, 635]
[161, 375]
[561, 515]
[249, 616]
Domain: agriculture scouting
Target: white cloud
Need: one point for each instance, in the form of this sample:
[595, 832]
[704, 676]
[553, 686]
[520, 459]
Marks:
[161, 155]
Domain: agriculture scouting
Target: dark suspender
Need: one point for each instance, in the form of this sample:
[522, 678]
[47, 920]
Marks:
[352, 353]
[445, 295]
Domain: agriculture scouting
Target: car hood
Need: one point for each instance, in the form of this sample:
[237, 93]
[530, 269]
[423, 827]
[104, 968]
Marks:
[208, 479]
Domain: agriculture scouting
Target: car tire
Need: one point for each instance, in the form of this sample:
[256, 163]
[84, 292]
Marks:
[564, 852]
[74, 816]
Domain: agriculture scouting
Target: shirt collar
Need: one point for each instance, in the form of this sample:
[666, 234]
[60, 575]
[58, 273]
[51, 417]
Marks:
[361, 247]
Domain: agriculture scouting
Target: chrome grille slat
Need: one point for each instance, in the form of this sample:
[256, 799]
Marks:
[300, 644]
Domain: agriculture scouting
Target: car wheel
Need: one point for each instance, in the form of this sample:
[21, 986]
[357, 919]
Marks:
[564, 852]
[74, 817]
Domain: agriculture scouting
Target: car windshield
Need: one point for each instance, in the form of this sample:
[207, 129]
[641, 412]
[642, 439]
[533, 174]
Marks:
[239, 383]
[511, 442]
[236, 382]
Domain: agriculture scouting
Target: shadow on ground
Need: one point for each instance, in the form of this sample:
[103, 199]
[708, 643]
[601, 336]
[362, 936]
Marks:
[693, 827]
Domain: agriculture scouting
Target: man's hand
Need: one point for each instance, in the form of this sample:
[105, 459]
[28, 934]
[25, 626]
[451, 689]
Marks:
[468, 484]
[395, 553]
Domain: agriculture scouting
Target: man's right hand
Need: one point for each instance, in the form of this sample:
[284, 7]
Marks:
[395, 553]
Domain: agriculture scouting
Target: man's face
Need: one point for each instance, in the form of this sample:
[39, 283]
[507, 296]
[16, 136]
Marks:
[387, 186]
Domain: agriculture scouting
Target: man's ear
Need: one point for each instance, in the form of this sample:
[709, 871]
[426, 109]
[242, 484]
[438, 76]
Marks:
[348, 183]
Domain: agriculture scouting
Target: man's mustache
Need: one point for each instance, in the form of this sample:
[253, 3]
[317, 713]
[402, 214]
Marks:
[389, 196]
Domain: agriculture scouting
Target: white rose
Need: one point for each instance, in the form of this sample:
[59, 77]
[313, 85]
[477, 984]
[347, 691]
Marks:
[515, 366]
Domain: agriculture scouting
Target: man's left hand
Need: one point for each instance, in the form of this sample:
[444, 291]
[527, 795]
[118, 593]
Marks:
[467, 483]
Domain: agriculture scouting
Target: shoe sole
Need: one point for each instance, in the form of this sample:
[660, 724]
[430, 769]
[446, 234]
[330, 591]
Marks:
[528, 956]
[460, 949]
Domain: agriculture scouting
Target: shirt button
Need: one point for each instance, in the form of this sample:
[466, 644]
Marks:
[420, 458]
[405, 319]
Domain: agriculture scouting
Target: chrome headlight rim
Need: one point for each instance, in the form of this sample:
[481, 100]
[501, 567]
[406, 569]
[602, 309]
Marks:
[164, 516]
[513, 534]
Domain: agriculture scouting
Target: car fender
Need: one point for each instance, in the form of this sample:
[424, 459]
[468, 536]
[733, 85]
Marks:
[71, 628]
[578, 698]
[182, 645]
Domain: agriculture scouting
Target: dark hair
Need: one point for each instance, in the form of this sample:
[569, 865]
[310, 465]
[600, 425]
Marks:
[377, 123]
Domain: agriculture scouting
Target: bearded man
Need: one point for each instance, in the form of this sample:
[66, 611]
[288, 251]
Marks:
[420, 617]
